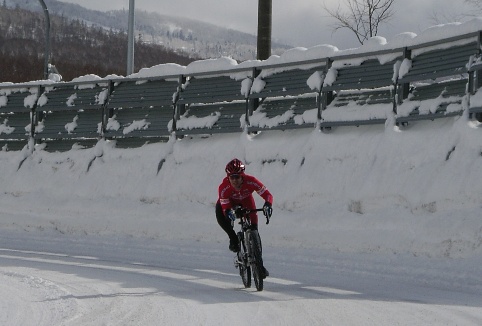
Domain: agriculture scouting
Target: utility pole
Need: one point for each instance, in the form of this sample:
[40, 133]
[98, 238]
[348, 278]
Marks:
[264, 29]
[47, 40]
[130, 36]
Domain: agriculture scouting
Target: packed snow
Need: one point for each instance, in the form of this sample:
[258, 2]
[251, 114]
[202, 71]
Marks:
[372, 225]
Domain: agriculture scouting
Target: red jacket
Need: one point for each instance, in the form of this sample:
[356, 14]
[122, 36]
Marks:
[230, 197]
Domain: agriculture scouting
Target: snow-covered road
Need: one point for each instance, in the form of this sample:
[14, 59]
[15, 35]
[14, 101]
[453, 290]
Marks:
[50, 281]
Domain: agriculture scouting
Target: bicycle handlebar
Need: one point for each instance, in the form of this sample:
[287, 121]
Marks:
[242, 211]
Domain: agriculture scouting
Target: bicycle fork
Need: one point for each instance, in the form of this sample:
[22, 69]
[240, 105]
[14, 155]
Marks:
[248, 258]
[239, 259]
[249, 254]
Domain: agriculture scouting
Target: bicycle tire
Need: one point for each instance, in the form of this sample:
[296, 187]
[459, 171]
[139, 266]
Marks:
[244, 269]
[257, 266]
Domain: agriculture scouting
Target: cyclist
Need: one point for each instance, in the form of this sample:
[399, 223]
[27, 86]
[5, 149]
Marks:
[237, 189]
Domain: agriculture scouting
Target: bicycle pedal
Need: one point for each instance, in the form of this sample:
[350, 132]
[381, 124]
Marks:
[236, 263]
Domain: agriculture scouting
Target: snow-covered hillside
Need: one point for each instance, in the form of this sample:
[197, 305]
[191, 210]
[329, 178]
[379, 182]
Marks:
[192, 37]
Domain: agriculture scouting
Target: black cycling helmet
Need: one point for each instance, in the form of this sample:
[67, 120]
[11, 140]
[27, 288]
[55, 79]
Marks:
[235, 166]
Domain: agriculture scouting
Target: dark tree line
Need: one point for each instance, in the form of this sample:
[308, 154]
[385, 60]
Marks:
[76, 48]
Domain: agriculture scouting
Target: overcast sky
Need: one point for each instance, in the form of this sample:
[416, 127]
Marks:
[298, 23]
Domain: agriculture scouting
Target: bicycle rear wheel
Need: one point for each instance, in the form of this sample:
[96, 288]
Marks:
[257, 266]
[244, 269]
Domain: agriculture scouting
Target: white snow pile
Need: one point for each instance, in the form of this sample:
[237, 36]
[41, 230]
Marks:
[368, 189]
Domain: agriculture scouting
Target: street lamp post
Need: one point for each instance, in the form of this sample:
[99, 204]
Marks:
[47, 40]
[264, 29]
[130, 37]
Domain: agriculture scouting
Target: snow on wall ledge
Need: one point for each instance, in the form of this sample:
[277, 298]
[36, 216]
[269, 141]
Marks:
[375, 44]
[365, 189]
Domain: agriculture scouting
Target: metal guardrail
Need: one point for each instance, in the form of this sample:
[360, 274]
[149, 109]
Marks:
[145, 104]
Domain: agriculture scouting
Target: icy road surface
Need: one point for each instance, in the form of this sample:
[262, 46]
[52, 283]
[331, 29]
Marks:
[52, 281]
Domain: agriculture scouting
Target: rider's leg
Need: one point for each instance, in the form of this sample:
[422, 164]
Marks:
[265, 271]
[226, 225]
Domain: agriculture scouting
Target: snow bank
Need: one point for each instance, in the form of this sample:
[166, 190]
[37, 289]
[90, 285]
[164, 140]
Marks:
[365, 189]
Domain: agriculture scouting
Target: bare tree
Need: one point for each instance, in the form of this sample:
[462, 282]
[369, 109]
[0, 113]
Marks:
[476, 3]
[459, 14]
[362, 17]
[439, 16]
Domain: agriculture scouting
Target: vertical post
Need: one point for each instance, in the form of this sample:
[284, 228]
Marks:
[252, 103]
[107, 113]
[178, 109]
[47, 40]
[130, 36]
[405, 87]
[264, 29]
[477, 81]
[327, 96]
[35, 116]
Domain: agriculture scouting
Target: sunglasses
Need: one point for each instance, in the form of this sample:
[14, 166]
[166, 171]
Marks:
[234, 176]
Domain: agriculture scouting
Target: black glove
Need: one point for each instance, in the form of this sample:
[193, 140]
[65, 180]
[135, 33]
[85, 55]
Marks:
[267, 209]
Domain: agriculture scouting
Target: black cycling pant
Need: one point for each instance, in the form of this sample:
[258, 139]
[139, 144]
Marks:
[224, 222]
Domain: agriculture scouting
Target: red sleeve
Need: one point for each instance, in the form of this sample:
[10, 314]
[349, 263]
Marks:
[224, 193]
[260, 188]
[267, 196]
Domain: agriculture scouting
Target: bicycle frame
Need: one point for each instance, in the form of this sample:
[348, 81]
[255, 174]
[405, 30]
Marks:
[249, 258]
[243, 215]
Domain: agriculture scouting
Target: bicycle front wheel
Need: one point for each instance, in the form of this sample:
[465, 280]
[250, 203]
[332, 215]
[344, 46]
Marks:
[244, 269]
[257, 266]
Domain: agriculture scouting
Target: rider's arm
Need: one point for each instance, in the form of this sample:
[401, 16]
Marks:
[261, 189]
[267, 196]
[224, 193]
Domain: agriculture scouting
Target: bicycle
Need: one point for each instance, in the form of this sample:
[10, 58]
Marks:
[249, 258]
